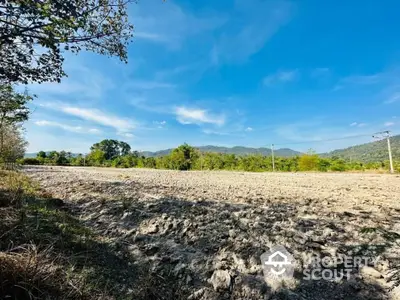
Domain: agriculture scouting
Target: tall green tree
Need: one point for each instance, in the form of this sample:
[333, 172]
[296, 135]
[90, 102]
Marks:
[13, 110]
[34, 35]
[14, 144]
[183, 157]
[112, 148]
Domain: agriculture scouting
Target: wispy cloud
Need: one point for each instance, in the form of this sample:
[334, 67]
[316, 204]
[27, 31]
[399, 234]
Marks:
[281, 76]
[389, 124]
[77, 129]
[320, 72]
[150, 85]
[248, 129]
[356, 124]
[99, 117]
[83, 81]
[150, 36]
[253, 23]
[126, 135]
[186, 115]
[394, 98]
[363, 79]
[214, 132]
[169, 24]
[160, 124]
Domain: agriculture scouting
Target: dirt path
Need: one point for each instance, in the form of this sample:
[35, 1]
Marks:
[201, 234]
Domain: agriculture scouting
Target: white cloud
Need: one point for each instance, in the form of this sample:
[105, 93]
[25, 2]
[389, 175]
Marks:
[213, 132]
[356, 124]
[186, 115]
[160, 124]
[127, 135]
[150, 36]
[77, 129]
[248, 129]
[99, 117]
[394, 98]
[281, 76]
[363, 79]
[389, 124]
[94, 130]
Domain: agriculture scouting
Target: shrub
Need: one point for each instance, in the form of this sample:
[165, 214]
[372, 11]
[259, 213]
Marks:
[30, 161]
[308, 162]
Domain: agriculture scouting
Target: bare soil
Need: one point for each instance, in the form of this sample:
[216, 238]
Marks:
[200, 235]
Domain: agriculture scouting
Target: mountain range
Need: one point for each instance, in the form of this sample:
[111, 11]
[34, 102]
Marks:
[374, 151]
[237, 150]
[369, 152]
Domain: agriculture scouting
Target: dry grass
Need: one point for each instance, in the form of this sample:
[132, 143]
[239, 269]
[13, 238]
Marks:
[47, 253]
[33, 274]
[31, 234]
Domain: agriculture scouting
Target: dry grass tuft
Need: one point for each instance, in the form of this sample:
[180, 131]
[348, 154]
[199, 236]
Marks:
[26, 273]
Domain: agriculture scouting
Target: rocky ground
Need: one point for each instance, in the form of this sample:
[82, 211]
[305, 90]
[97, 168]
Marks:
[200, 235]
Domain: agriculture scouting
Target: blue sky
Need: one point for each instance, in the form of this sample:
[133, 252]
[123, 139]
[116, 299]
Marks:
[243, 72]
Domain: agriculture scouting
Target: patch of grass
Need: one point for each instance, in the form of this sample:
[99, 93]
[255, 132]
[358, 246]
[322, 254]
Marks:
[15, 189]
[33, 274]
[48, 253]
[45, 252]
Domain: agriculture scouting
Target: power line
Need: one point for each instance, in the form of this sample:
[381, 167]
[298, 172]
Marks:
[326, 140]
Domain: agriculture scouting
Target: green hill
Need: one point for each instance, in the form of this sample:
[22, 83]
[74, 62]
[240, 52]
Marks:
[370, 152]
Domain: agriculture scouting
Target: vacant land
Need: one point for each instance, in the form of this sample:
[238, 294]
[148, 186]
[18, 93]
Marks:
[199, 235]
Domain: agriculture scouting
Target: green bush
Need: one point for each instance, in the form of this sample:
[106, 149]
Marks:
[30, 161]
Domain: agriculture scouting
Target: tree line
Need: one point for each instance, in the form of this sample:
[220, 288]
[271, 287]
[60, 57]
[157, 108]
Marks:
[113, 153]
[34, 37]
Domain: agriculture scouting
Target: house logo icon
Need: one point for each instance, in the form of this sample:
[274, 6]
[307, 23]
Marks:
[278, 263]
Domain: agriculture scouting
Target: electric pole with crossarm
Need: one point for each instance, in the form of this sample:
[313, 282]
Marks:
[386, 134]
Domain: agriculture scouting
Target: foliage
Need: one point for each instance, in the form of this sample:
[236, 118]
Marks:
[13, 105]
[13, 144]
[186, 157]
[30, 161]
[112, 148]
[308, 162]
[183, 157]
[13, 111]
[34, 34]
[237, 150]
[96, 157]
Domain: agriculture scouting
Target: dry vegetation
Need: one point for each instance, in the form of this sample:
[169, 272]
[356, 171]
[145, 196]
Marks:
[150, 234]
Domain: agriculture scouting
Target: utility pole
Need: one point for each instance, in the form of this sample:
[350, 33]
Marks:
[201, 160]
[390, 152]
[386, 134]
[273, 158]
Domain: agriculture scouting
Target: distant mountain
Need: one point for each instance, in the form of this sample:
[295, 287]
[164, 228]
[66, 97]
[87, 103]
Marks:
[238, 150]
[30, 155]
[370, 152]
